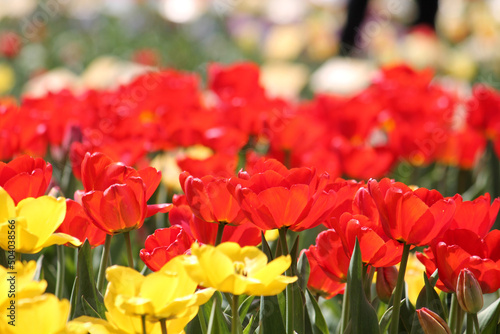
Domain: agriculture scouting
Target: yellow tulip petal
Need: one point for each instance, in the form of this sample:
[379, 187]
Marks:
[43, 214]
[235, 284]
[130, 324]
[42, 314]
[26, 287]
[24, 240]
[60, 239]
[124, 280]
[274, 268]
[85, 325]
[215, 265]
[7, 206]
[176, 326]
[181, 304]
[273, 288]
[134, 305]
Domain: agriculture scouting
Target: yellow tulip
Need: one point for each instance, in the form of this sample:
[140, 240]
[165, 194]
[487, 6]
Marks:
[24, 285]
[85, 325]
[29, 227]
[238, 270]
[168, 294]
[44, 314]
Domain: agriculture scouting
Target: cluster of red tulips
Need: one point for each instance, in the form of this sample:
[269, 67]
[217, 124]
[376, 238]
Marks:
[258, 178]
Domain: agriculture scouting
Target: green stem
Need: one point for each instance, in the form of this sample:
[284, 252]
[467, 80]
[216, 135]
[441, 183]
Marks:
[60, 271]
[163, 324]
[220, 231]
[459, 320]
[128, 245]
[399, 290]
[288, 291]
[470, 327]
[201, 318]
[18, 256]
[453, 312]
[476, 323]
[345, 312]
[367, 283]
[283, 242]
[143, 320]
[104, 263]
[235, 321]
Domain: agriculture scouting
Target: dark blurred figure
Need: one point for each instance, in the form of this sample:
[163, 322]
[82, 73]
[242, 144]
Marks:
[356, 10]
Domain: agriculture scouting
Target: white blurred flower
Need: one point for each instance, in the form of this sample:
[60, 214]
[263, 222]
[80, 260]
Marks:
[286, 11]
[16, 8]
[181, 11]
[282, 79]
[343, 76]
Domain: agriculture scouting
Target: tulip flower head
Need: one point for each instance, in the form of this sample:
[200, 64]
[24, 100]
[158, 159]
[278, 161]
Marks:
[275, 197]
[431, 322]
[238, 270]
[469, 294]
[116, 195]
[168, 294]
[34, 221]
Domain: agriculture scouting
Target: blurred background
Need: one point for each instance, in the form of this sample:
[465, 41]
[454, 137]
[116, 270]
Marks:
[302, 46]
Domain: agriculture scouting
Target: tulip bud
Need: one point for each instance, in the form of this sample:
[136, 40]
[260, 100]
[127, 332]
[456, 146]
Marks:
[431, 322]
[469, 293]
[386, 282]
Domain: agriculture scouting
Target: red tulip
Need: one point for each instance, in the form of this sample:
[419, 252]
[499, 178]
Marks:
[116, 195]
[330, 255]
[79, 225]
[414, 217]
[469, 294]
[275, 197]
[386, 282]
[431, 322]
[478, 215]
[25, 177]
[459, 249]
[210, 199]
[164, 245]
[376, 250]
[319, 283]
[245, 234]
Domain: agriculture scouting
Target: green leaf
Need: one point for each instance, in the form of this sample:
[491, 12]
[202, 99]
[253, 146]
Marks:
[294, 253]
[298, 307]
[244, 306]
[304, 271]
[265, 247]
[318, 322]
[489, 318]
[216, 322]
[385, 320]
[249, 326]
[363, 315]
[407, 316]
[89, 301]
[429, 298]
[270, 319]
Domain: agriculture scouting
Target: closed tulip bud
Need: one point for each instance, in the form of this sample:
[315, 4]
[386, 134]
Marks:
[469, 293]
[431, 322]
[387, 278]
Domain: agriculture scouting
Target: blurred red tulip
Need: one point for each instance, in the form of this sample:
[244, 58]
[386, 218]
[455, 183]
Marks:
[25, 176]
